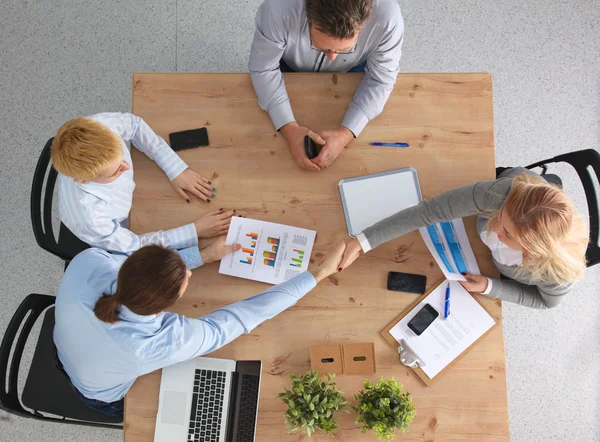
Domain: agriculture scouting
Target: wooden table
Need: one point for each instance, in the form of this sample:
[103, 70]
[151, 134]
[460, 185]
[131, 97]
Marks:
[448, 121]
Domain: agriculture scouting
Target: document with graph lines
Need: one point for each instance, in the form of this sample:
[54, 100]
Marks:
[449, 244]
[271, 253]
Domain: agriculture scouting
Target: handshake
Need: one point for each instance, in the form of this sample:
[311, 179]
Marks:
[342, 256]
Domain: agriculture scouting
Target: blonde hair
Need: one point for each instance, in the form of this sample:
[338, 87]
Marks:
[552, 234]
[83, 148]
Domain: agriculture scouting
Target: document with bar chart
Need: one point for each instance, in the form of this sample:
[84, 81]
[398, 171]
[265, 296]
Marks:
[449, 244]
[270, 252]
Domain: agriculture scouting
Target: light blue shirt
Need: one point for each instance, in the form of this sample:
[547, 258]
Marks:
[103, 360]
[97, 213]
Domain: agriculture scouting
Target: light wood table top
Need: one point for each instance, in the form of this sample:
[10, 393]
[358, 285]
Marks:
[448, 121]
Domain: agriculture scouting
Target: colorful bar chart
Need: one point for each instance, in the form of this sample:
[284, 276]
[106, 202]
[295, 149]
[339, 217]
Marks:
[298, 258]
[271, 257]
[250, 250]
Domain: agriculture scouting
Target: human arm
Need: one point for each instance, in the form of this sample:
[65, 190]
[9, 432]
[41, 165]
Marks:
[266, 51]
[133, 128]
[482, 197]
[270, 39]
[108, 234]
[381, 71]
[541, 296]
[208, 333]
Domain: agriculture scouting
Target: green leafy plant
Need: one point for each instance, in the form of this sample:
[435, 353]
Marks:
[383, 407]
[312, 403]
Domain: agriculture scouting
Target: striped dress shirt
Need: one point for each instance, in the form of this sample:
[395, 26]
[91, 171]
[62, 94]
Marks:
[98, 213]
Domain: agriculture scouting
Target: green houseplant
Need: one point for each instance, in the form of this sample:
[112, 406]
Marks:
[383, 407]
[312, 403]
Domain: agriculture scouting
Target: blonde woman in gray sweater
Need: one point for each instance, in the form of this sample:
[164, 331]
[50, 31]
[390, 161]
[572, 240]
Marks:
[536, 237]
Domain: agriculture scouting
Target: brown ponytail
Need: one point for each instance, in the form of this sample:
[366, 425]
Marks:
[106, 309]
[149, 282]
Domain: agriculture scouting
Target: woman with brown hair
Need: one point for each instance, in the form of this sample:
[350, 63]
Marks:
[537, 238]
[111, 323]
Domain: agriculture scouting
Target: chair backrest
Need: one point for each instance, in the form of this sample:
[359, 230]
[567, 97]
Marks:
[26, 315]
[41, 204]
[585, 162]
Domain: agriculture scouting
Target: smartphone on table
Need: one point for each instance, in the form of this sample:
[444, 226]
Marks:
[188, 139]
[407, 282]
[423, 319]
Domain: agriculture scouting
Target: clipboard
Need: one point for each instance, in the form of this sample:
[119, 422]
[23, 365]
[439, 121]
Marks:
[371, 198]
[385, 333]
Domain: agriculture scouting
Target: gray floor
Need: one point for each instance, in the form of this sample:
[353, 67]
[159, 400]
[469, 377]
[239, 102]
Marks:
[59, 60]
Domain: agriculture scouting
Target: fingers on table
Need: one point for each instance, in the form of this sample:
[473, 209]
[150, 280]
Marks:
[198, 193]
[322, 160]
[225, 215]
[204, 184]
[305, 163]
[183, 194]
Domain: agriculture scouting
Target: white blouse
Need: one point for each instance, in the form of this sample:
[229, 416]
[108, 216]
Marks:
[501, 253]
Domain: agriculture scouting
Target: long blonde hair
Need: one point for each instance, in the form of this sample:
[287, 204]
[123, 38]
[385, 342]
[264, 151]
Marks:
[552, 234]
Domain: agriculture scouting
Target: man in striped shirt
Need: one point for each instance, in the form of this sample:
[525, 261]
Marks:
[95, 183]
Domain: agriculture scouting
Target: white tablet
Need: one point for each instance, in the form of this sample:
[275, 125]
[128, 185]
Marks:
[369, 199]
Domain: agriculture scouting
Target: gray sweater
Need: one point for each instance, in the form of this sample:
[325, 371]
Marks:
[483, 198]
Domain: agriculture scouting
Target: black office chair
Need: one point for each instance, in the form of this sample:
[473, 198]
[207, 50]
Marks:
[68, 244]
[47, 390]
[585, 162]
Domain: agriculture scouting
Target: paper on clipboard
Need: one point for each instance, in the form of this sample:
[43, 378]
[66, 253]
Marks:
[449, 244]
[445, 339]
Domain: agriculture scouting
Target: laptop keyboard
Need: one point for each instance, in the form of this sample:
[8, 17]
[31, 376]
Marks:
[207, 406]
[247, 408]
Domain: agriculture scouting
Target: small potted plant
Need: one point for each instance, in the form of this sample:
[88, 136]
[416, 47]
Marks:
[383, 407]
[312, 403]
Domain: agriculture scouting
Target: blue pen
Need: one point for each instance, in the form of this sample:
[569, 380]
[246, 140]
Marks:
[447, 302]
[390, 144]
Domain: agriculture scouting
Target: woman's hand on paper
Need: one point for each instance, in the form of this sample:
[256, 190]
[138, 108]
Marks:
[331, 263]
[474, 283]
[217, 250]
[353, 251]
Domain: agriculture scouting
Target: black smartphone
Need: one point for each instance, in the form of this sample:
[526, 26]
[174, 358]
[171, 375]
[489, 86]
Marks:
[311, 148]
[423, 319]
[406, 282]
[188, 139]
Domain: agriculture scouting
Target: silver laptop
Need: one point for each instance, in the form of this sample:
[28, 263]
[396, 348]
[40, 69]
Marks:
[208, 400]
